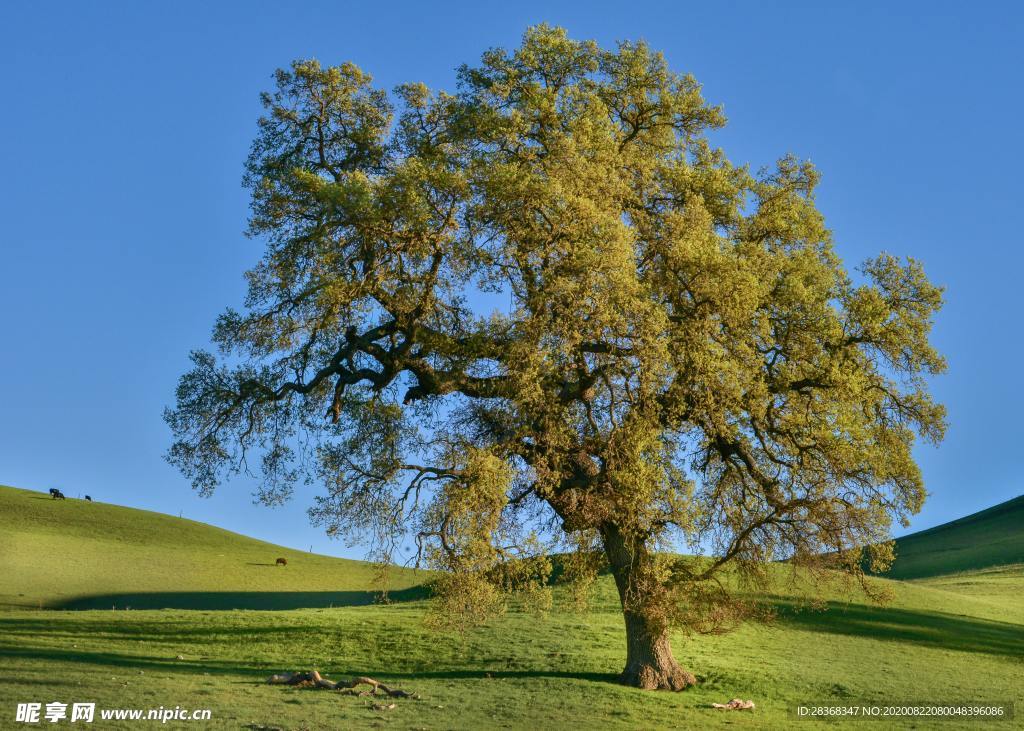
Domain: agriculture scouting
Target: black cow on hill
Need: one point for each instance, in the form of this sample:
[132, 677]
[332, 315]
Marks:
[88, 498]
[57, 494]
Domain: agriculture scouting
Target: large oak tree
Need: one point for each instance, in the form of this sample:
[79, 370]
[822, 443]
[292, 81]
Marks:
[543, 312]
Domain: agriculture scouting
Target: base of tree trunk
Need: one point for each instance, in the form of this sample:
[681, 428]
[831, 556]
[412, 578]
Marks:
[649, 677]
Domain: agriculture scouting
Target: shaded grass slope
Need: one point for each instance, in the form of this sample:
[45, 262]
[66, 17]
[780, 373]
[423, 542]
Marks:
[992, 537]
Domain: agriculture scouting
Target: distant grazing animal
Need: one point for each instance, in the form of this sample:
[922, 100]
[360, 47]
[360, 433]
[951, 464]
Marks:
[88, 498]
[54, 492]
[57, 495]
[281, 562]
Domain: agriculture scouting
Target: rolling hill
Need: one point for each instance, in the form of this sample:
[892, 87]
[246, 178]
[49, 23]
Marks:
[992, 537]
[79, 555]
[76, 555]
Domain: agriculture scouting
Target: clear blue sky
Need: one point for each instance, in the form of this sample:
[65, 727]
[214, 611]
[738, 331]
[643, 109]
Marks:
[125, 125]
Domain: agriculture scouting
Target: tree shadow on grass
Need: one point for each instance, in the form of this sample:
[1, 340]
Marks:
[135, 662]
[135, 627]
[259, 671]
[928, 629]
[467, 674]
[256, 600]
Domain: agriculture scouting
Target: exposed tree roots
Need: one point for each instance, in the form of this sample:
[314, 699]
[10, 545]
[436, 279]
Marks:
[313, 679]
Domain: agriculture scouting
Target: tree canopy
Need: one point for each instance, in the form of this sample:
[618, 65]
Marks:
[544, 312]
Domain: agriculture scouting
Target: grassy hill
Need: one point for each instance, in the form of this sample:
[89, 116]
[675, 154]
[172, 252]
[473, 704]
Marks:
[953, 638]
[72, 554]
[992, 537]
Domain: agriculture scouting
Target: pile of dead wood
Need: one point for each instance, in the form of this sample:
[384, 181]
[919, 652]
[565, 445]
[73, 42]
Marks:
[313, 679]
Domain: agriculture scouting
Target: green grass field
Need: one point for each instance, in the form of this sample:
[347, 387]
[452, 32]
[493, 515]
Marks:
[952, 637]
[74, 554]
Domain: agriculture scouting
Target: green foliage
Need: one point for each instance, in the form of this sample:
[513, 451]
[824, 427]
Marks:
[684, 359]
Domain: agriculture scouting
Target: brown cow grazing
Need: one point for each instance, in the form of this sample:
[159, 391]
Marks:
[282, 562]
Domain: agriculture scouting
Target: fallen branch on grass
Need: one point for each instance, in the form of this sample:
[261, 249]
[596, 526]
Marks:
[313, 679]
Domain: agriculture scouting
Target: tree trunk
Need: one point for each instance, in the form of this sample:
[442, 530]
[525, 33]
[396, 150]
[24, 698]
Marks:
[649, 661]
